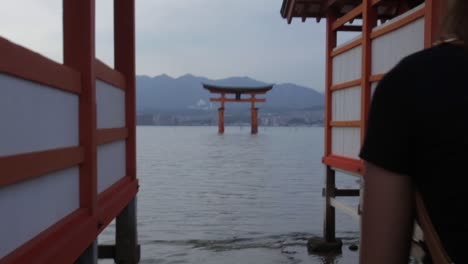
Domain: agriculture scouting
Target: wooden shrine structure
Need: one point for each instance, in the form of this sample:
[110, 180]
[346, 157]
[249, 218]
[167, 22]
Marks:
[67, 145]
[238, 92]
[386, 31]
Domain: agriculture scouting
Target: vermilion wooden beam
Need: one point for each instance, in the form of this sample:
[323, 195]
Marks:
[348, 46]
[369, 22]
[63, 242]
[354, 123]
[344, 163]
[79, 54]
[330, 45]
[23, 63]
[357, 11]
[108, 135]
[243, 92]
[376, 77]
[124, 53]
[242, 100]
[434, 10]
[346, 85]
[399, 24]
[23, 167]
[109, 75]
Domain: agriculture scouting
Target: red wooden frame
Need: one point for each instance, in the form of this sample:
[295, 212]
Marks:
[399, 24]
[109, 135]
[346, 85]
[109, 75]
[114, 199]
[348, 46]
[23, 63]
[344, 163]
[64, 241]
[27, 166]
[431, 13]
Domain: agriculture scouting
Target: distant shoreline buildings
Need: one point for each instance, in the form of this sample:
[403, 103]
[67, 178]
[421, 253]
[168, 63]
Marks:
[209, 118]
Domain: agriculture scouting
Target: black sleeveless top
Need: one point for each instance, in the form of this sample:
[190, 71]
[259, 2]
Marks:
[418, 126]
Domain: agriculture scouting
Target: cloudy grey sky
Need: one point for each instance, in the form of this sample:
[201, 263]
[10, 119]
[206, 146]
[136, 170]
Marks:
[211, 38]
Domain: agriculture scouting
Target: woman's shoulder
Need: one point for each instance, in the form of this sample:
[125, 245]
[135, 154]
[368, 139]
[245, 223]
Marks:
[436, 56]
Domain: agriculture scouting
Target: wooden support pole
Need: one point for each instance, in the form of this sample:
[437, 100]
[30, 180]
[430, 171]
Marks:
[254, 115]
[90, 256]
[435, 10]
[329, 217]
[79, 54]
[124, 53]
[221, 120]
[369, 15]
[254, 122]
[126, 242]
[329, 221]
[126, 236]
[331, 44]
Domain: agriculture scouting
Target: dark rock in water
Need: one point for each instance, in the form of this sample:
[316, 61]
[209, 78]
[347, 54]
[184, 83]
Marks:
[285, 251]
[353, 247]
[318, 245]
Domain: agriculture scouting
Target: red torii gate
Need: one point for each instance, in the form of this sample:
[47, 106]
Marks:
[238, 91]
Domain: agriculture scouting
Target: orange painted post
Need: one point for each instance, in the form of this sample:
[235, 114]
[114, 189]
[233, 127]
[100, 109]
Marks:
[221, 120]
[126, 235]
[434, 11]
[79, 54]
[221, 114]
[369, 22]
[331, 44]
[124, 53]
[254, 121]
[254, 115]
[329, 217]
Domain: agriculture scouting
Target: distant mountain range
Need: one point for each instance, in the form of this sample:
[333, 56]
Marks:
[164, 93]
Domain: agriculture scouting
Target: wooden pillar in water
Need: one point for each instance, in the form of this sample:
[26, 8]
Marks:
[90, 256]
[221, 115]
[329, 193]
[329, 190]
[221, 120]
[126, 236]
[254, 115]
[126, 242]
[254, 120]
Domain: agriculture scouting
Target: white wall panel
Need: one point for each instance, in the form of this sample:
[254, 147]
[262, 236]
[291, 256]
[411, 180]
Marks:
[390, 48]
[31, 206]
[347, 66]
[35, 117]
[346, 141]
[111, 164]
[110, 102]
[346, 104]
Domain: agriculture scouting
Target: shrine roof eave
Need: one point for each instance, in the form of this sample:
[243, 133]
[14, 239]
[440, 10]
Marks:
[319, 9]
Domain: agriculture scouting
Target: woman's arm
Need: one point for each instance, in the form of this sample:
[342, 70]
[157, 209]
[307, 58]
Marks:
[387, 217]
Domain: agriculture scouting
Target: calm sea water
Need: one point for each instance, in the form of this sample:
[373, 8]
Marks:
[233, 198]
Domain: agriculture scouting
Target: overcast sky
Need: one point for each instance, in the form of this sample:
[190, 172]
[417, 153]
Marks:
[211, 38]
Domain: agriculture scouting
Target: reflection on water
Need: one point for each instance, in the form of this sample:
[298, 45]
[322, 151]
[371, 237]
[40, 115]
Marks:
[232, 198]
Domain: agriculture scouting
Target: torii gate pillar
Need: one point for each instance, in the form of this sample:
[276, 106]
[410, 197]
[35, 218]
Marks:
[254, 122]
[221, 120]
